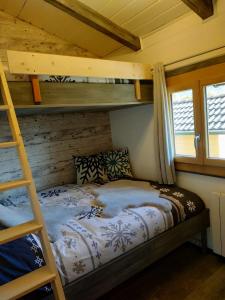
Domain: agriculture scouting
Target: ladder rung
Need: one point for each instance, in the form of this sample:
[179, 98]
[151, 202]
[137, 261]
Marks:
[13, 233]
[26, 284]
[13, 184]
[4, 107]
[8, 144]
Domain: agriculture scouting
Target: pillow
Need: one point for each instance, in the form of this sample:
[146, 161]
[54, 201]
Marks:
[117, 164]
[20, 257]
[90, 169]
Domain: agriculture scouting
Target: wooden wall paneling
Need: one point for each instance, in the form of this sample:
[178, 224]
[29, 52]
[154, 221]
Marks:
[51, 140]
[64, 26]
[21, 92]
[45, 64]
[134, 14]
[85, 94]
[18, 35]
[92, 18]
[12, 6]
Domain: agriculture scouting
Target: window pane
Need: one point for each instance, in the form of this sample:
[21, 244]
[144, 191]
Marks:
[183, 123]
[215, 119]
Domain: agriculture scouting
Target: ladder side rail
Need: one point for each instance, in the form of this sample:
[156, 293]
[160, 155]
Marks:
[47, 251]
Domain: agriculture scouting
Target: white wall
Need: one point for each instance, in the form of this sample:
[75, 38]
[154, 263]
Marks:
[134, 127]
[185, 37]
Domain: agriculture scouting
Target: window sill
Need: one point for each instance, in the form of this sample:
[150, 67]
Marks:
[200, 169]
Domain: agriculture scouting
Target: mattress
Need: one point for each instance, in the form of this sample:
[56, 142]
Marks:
[110, 220]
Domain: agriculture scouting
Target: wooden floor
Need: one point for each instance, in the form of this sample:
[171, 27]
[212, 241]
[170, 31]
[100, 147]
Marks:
[186, 274]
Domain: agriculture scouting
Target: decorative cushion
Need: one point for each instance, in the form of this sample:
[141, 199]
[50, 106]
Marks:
[117, 164]
[90, 169]
[20, 257]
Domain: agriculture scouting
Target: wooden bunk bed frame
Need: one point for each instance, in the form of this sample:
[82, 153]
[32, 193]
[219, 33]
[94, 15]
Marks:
[103, 279]
[106, 277]
[47, 95]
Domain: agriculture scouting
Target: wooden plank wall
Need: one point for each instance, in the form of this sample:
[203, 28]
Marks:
[22, 36]
[51, 140]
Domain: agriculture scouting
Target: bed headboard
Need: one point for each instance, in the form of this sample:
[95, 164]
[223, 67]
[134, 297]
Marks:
[50, 141]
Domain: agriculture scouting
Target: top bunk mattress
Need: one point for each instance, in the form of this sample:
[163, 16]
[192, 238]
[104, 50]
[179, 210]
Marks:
[92, 224]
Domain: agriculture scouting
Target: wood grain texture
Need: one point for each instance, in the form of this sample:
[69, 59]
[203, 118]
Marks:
[50, 141]
[139, 17]
[30, 63]
[203, 8]
[92, 18]
[19, 35]
[36, 89]
[196, 66]
[184, 274]
[80, 93]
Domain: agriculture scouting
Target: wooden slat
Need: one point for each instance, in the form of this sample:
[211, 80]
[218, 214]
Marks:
[36, 89]
[3, 107]
[196, 66]
[92, 18]
[203, 8]
[8, 144]
[137, 88]
[13, 184]
[26, 284]
[49, 64]
[19, 231]
[54, 93]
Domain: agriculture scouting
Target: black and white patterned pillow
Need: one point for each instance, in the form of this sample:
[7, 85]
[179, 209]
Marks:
[117, 164]
[90, 169]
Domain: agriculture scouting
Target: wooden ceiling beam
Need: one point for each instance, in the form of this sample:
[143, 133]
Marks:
[92, 18]
[203, 8]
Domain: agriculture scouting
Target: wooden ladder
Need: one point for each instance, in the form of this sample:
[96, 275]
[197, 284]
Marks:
[47, 274]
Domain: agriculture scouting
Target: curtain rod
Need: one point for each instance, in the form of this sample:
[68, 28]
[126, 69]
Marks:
[193, 56]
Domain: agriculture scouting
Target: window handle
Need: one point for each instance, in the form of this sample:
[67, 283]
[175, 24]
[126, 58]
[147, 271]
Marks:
[197, 140]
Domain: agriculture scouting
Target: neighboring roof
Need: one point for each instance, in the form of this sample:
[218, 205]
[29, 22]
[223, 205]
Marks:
[183, 115]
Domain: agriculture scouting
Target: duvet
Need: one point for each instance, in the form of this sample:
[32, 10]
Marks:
[97, 223]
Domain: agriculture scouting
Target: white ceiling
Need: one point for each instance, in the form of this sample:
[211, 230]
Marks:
[140, 17]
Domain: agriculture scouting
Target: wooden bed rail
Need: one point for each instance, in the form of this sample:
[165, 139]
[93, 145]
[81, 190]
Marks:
[48, 64]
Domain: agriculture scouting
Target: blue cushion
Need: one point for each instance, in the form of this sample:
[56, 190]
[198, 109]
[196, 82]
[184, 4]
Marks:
[20, 257]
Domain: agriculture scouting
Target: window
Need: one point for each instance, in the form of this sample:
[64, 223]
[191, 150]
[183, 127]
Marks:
[214, 96]
[183, 123]
[198, 113]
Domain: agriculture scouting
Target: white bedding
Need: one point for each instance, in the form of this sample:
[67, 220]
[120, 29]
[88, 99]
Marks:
[91, 238]
[89, 241]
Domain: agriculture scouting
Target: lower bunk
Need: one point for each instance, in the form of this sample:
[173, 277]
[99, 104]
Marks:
[111, 274]
[103, 234]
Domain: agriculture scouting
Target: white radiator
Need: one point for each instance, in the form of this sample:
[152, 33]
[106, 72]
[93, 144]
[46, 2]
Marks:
[217, 219]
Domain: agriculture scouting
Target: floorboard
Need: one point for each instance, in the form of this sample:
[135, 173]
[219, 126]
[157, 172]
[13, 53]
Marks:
[185, 274]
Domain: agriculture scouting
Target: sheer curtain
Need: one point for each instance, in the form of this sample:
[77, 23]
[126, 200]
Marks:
[162, 129]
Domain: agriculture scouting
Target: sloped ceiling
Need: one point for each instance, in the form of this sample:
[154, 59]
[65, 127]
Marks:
[140, 17]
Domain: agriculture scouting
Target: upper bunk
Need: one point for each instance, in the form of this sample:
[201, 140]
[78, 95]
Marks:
[55, 83]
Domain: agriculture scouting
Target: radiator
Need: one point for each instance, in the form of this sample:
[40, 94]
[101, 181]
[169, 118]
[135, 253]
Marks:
[217, 218]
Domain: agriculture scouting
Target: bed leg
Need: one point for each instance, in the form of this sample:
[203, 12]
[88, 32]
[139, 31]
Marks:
[204, 241]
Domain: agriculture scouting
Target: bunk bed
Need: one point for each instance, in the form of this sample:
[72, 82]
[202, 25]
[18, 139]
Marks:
[186, 217]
